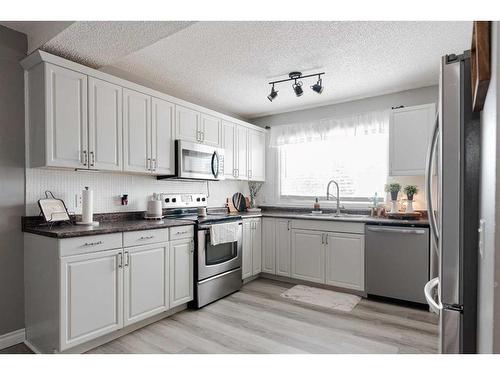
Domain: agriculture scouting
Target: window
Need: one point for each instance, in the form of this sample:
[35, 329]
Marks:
[356, 156]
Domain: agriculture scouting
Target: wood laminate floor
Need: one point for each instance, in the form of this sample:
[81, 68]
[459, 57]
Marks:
[257, 320]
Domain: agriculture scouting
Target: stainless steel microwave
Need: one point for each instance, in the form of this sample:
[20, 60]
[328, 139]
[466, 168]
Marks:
[198, 161]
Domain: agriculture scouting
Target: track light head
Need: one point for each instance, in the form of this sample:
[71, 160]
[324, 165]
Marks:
[273, 94]
[297, 87]
[318, 86]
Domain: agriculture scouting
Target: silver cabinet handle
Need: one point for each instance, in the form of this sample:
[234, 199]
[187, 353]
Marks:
[146, 237]
[185, 232]
[322, 238]
[249, 173]
[202, 136]
[93, 243]
[120, 260]
[326, 238]
[234, 173]
[288, 224]
[148, 164]
[92, 158]
[85, 159]
[192, 246]
[153, 164]
[392, 230]
[126, 258]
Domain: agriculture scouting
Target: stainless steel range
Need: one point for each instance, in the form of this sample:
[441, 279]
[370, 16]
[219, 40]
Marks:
[217, 267]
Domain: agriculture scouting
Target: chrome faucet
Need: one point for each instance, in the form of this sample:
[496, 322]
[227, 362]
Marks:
[328, 195]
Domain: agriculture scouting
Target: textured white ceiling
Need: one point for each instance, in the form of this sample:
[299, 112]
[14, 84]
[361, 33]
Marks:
[101, 43]
[226, 65]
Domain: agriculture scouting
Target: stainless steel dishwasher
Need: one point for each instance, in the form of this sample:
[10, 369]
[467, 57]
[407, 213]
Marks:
[397, 262]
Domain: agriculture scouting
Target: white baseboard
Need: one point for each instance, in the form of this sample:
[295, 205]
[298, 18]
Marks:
[12, 338]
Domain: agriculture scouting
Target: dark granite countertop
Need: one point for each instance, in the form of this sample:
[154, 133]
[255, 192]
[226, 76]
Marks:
[114, 223]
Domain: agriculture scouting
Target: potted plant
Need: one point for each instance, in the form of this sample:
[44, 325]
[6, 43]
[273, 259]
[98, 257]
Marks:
[410, 191]
[393, 188]
[254, 188]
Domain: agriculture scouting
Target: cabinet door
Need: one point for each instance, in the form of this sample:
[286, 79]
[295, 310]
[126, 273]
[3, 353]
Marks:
[91, 296]
[345, 260]
[181, 271]
[257, 246]
[283, 248]
[269, 245]
[136, 131]
[145, 282]
[409, 136]
[230, 153]
[105, 125]
[211, 128]
[308, 255]
[187, 124]
[162, 137]
[242, 152]
[247, 266]
[256, 161]
[66, 118]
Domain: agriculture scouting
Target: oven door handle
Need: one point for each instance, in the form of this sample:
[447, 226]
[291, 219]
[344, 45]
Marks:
[215, 167]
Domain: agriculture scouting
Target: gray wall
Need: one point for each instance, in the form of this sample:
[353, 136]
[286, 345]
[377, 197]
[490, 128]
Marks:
[13, 47]
[419, 96]
[489, 260]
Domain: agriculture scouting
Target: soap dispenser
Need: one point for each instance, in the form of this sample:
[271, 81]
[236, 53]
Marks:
[316, 205]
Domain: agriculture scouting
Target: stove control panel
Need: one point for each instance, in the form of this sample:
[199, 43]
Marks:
[183, 200]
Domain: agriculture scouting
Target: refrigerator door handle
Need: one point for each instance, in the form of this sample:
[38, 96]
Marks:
[428, 182]
[436, 307]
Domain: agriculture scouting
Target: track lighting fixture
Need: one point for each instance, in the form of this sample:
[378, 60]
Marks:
[318, 86]
[273, 94]
[297, 85]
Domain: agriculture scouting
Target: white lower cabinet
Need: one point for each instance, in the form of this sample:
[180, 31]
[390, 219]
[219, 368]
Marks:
[308, 255]
[345, 260]
[283, 247]
[91, 296]
[252, 247]
[181, 271]
[269, 245]
[146, 281]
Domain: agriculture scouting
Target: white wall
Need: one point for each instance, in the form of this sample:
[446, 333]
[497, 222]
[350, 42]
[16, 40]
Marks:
[419, 96]
[489, 260]
[108, 187]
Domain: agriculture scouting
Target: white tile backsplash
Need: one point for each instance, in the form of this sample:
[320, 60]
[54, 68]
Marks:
[108, 188]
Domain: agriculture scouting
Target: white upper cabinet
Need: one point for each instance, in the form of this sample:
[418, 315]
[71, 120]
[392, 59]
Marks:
[187, 124]
[146, 282]
[256, 152]
[409, 136]
[235, 144]
[162, 137]
[345, 260]
[66, 130]
[81, 118]
[136, 131]
[211, 130]
[241, 152]
[105, 125]
[230, 150]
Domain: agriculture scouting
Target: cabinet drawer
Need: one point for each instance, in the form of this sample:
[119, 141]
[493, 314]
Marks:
[186, 231]
[145, 237]
[89, 244]
[329, 226]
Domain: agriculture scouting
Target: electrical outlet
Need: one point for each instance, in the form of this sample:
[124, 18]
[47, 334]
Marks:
[78, 200]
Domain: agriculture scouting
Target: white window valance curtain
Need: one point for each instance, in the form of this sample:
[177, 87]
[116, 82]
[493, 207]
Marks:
[369, 123]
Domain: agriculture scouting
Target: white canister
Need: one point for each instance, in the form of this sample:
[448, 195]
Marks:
[154, 209]
[202, 211]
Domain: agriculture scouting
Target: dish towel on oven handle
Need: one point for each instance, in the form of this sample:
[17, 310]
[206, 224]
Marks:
[223, 233]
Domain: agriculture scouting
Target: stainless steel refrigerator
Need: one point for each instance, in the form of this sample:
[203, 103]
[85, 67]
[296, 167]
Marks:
[452, 189]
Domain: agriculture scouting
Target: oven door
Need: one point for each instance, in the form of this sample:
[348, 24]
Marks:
[214, 260]
[196, 161]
